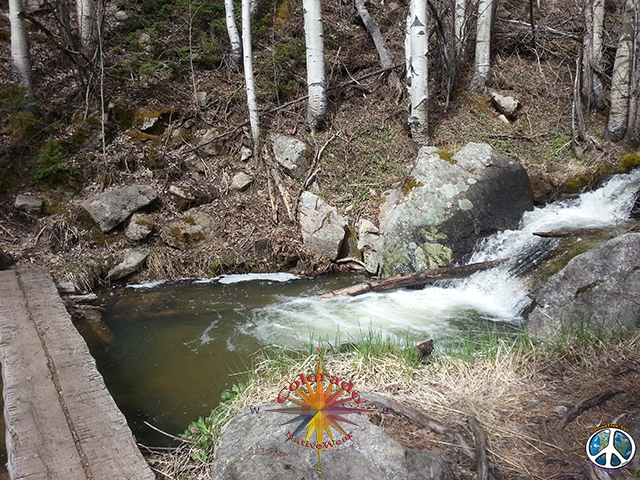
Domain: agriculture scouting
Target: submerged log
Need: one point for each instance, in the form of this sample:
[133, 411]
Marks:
[412, 279]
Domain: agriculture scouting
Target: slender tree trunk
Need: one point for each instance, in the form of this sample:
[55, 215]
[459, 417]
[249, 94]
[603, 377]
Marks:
[316, 82]
[232, 30]
[618, 114]
[62, 6]
[87, 25]
[417, 41]
[632, 137]
[483, 45]
[20, 59]
[460, 26]
[249, 78]
[592, 89]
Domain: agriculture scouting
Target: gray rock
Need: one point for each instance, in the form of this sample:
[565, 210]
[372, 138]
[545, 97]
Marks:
[182, 192]
[291, 153]
[241, 181]
[140, 226]
[194, 164]
[253, 447]
[323, 229]
[28, 204]
[133, 262]
[111, 208]
[508, 106]
[368, 243]
[68, 288]
[189, 231]
[121, 15]
[448, 204]
[245, 153]
[597, 290]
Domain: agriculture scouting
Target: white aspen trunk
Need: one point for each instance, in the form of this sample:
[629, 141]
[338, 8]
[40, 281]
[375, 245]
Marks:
[20, 59]
[232, 30]
[621, 77]
[460, 25]
[417, 39]
[87, 27]
[632, 136]
[249, 78]
[597, 89]
[587, 53]
[316, 83]
[483, 45]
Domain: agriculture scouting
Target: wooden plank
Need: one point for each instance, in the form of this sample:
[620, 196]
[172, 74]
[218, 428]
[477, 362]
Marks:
[79, 414]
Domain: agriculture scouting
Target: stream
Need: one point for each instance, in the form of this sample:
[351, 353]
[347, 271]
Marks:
[177, 345]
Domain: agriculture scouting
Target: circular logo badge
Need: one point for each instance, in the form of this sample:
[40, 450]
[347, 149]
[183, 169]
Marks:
[611, 448]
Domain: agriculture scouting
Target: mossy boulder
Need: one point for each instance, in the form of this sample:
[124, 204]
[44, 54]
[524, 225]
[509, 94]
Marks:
[448, 204]
[189, 231]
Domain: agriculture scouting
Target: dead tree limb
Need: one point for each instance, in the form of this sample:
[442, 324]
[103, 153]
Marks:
[419, 419]
[481, 448]
[418, 278]
[385, 57]
[586, 404]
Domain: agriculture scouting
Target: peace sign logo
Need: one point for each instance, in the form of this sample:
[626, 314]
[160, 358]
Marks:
[611, 448]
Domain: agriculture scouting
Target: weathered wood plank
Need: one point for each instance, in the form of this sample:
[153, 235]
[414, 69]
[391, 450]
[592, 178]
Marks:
[76, 431]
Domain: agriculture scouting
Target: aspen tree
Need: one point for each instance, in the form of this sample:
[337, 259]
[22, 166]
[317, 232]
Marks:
[316, 83]
[417, 49]
[87, 27]
[621, 77]
[20, 59]
[232, 30]
[483, 45]
[249, 78]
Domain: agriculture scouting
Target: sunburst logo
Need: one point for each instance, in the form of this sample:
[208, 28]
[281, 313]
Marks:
[320, 409]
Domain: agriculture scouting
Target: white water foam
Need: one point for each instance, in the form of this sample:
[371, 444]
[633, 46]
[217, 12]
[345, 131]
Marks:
[495, 294]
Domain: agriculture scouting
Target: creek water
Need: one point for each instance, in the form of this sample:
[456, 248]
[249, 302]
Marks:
[178, 345]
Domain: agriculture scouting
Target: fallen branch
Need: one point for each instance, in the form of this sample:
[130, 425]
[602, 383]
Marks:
[586, 404]
[418, 278]
[419, 419]
[481, 448]
[566, 233]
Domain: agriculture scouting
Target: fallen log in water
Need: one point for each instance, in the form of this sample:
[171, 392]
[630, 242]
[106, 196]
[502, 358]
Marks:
[418, 278]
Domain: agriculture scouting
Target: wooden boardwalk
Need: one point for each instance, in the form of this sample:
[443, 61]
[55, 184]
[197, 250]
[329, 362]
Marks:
[62, 423]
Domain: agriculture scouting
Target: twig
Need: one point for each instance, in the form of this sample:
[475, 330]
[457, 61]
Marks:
[180, 439]
[586, 404]
[420, 419]
[481, 448]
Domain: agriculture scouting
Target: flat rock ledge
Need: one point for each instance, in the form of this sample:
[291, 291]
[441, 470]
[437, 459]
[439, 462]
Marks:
[253, 446]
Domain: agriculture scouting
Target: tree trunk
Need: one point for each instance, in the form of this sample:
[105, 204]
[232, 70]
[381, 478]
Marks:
[249, 78]
[20, 59]
[418, 278]
[87, 25]
[64, 28]
[460, 26]
[417, 43]
[618, 114]
[232, 30]
[385, 57]
[632, 136]
[316, 83]
[483, 45]
[592, 88]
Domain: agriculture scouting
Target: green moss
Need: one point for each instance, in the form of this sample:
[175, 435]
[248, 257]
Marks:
[575, 184]
[409, 184]
[629, 162]
[447, 155]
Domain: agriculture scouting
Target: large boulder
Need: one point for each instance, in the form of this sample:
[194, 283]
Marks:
[323, 229]
[597, 291]
[447, 204]
[111, 208]
[253, 445]
[28, 204]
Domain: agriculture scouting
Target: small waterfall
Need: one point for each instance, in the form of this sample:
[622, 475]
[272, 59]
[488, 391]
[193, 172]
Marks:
[499, 294]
